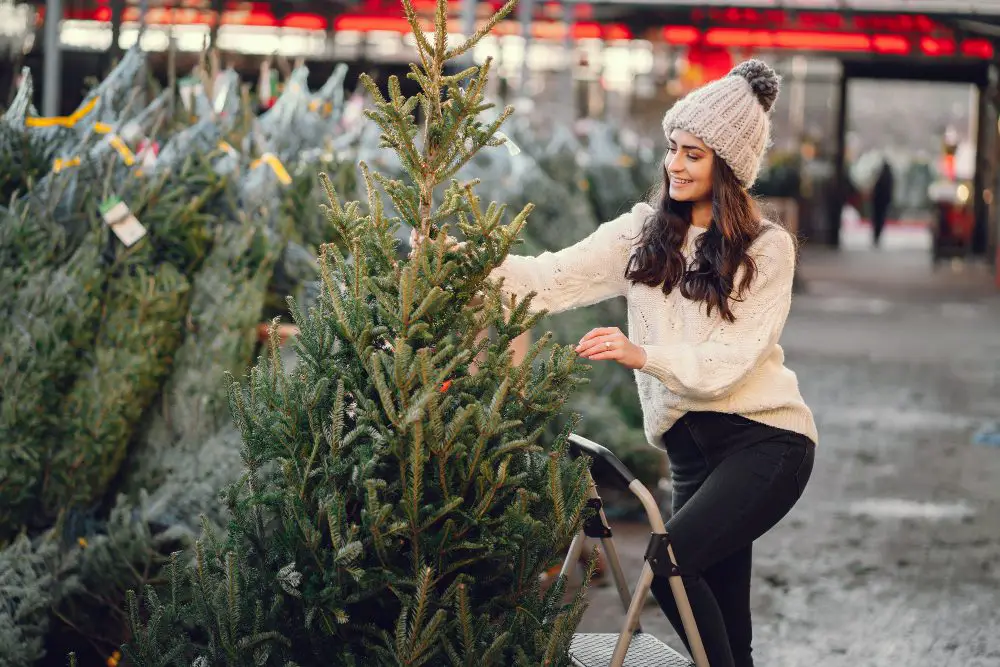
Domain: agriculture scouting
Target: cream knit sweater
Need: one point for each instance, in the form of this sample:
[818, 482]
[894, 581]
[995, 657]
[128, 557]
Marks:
[693, 362]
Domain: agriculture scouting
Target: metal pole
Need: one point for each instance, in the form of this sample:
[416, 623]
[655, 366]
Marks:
[468, 25]
[839, 165]
[525, 12]
[980, 229]
[143, 8]
[797, 98]
[52, 66]
[117, 9]
[570, 54]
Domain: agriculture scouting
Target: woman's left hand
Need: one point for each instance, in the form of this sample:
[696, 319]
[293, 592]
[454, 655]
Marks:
[610, 343]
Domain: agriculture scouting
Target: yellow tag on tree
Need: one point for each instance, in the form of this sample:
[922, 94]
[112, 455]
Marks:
[271, 160]
[59, 164]
[62, 121]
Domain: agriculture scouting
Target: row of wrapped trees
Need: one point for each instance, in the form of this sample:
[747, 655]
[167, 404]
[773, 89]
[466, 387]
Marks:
[363, 491]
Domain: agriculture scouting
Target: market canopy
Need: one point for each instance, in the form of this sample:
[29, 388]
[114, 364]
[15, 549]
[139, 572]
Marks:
[924, 30]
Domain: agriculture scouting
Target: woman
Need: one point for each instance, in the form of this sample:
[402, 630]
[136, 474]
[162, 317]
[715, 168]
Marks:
[708, 284]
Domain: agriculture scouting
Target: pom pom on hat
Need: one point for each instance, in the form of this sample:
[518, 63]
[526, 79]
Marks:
[732, 115]
[764, 81]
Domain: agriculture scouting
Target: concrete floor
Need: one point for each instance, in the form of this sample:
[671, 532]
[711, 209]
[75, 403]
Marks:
[892, 556]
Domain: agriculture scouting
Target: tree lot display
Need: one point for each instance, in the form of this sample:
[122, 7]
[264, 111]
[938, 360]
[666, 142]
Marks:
[114, 412]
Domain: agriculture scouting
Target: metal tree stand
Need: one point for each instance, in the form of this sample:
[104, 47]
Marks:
[631, 647]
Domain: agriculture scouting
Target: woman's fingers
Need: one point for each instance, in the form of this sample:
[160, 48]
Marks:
[613, 355]
[600, 331]
[601, 344]
[614, 346]
[601, 353]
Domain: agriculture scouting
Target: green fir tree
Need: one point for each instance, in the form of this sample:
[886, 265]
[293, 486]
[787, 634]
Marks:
[395, 507]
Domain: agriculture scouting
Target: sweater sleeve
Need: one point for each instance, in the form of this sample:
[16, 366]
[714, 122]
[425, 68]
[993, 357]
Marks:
[582, 274]
[713, 368]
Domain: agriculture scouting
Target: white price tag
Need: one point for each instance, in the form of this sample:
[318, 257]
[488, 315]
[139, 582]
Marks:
[123, 223]
[512, 148]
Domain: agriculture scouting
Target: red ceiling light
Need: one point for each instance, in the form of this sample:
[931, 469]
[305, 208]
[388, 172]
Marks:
[359, 23]
[678, 34]
[615, 31]
[823, 41]
[789, 39]
[891, 44]
[258, 18]
[304, 22]
[934, 46]
[738, 37]
[556, 30]
[978, 48]
[584, 30]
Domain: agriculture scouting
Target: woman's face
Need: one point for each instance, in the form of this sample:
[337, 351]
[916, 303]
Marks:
[689, 167]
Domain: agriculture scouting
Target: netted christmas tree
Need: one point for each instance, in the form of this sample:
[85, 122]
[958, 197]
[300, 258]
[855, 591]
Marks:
[395, 508]
[92, 339]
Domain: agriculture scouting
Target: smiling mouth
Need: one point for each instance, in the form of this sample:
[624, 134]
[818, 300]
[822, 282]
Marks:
[680, 181]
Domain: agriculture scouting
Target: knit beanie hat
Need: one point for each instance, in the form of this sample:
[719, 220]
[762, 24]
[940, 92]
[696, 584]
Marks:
[732, 116]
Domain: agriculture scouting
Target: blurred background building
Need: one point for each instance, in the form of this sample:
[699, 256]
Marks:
[906, 86]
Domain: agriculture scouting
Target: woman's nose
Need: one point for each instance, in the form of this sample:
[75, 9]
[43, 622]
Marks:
[671, 163]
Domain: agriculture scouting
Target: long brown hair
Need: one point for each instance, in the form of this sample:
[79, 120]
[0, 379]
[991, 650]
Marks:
[719, 252]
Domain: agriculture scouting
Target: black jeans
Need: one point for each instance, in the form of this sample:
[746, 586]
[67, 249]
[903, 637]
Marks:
[733, 480]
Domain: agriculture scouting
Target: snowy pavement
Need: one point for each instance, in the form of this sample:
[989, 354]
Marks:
[892, 557]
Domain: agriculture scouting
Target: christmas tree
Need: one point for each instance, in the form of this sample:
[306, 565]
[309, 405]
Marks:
[69, 453]
[395, 508]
